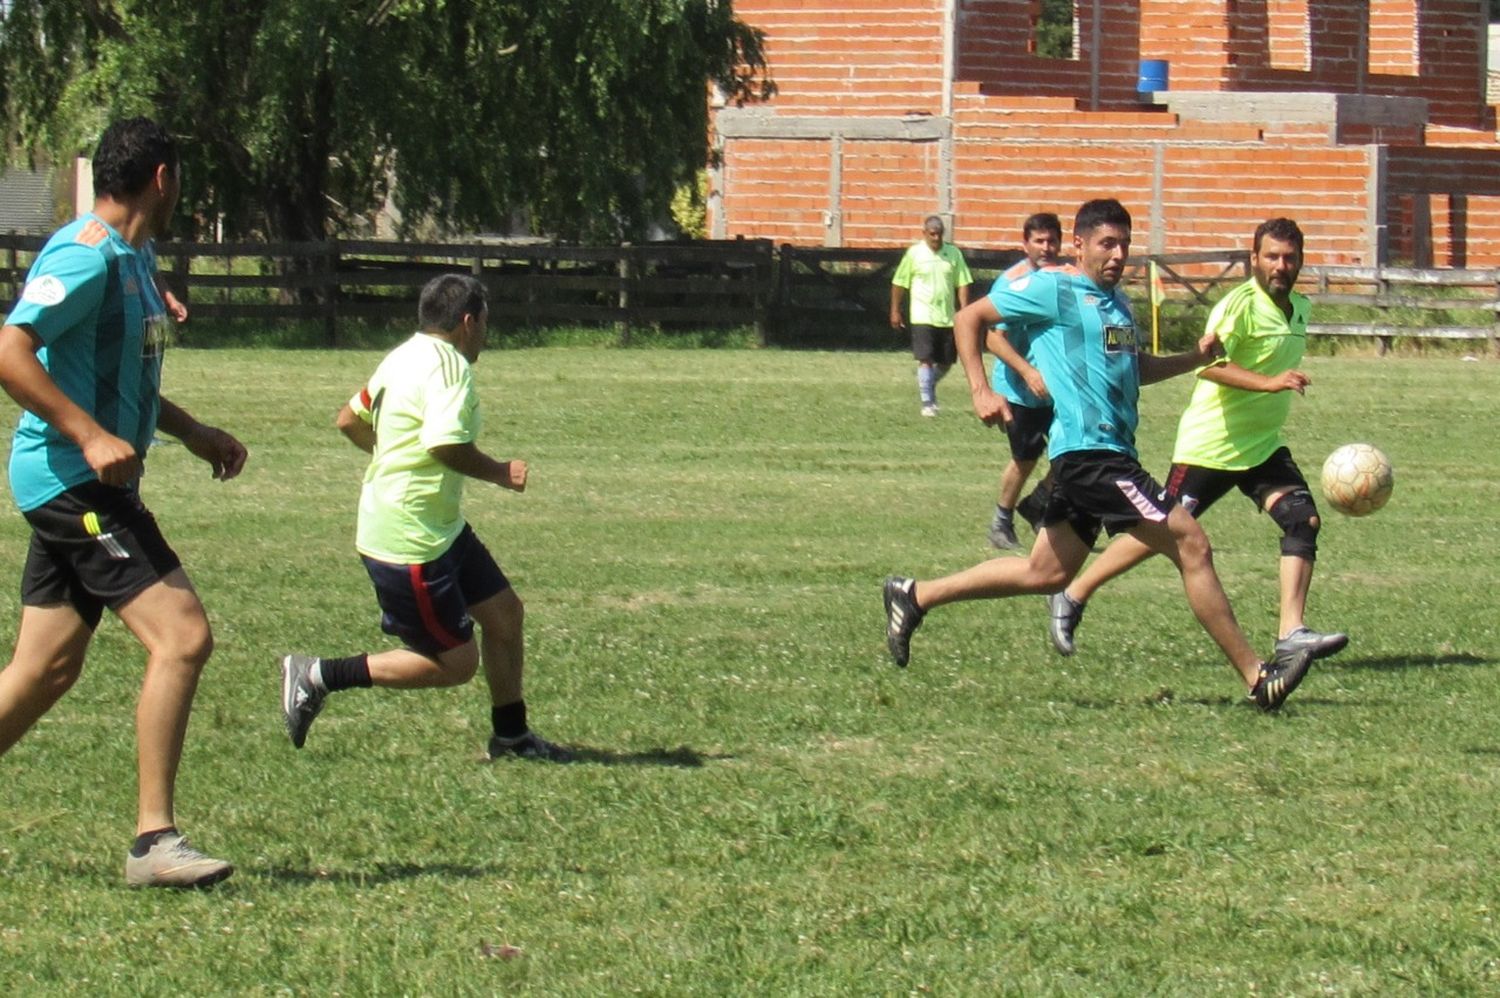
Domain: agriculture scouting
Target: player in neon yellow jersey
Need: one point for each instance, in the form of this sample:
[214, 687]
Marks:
[418, 418]
[1230, 436]
[938, 279]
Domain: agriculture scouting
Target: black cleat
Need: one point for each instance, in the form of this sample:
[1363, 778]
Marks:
[1003, 536]
[301, 701]
[1280, 677]
[902, 615]
[528, 746]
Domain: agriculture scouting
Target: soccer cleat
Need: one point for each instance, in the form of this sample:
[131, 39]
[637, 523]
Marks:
[1321, 645]
[1066, 615]
[173, 862]
[1280, 677]
[1003, 537]
[1032, 507]
[930, 410]
[902, 615]
[528, 746]
[300, 699]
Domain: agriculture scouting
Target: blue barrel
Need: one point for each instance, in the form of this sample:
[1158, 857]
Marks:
[1153, 76]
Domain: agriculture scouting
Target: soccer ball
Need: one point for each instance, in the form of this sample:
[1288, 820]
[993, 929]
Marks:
[1357, 479]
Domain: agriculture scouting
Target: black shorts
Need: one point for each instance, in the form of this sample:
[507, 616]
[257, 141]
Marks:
[93, 546]
[934, 344]
[427, 605]
[1094, 488]
[1196, 488]
[1027, 430]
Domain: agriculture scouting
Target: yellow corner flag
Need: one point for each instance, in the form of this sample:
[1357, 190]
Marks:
[1158, 295]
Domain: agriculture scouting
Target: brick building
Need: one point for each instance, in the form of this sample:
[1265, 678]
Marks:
[1366, 121]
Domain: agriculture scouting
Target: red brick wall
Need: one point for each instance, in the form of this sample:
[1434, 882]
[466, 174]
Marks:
[994, 51]
[852, 56]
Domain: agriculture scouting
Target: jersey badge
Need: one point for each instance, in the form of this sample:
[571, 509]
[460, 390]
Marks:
[45, 290]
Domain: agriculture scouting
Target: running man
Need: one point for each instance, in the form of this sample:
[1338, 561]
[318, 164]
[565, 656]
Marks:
[1230, 437]
[1092, 369]
[936, 275]
[1031, 417]
[82, 354]
[418, 418]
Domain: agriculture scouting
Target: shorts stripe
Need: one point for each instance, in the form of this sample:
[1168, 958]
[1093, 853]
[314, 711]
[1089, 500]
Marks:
[428, 613]
[1141, 502]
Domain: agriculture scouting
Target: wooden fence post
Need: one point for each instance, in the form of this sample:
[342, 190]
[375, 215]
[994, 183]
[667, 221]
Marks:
[626, 270]
[331, 292]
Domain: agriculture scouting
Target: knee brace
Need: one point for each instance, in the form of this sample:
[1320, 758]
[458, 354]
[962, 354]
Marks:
[1297, 516]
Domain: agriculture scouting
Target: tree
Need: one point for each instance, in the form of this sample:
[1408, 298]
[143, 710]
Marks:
[295, 114]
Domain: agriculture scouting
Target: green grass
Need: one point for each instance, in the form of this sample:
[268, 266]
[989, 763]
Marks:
[768, 806]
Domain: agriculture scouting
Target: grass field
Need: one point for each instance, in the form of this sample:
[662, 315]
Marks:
[766, 805]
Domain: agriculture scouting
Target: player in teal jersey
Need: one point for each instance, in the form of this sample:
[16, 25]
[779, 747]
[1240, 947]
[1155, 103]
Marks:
[935, 274]
[1230, 437]
[418, 418]
[1031, 417]
[1089, 364]
[82, 352]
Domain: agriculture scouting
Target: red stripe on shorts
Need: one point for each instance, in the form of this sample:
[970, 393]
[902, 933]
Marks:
[428, 613]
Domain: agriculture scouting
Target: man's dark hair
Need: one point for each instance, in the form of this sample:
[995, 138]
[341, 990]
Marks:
[1100, 211]
[1042, 221]
[1283, 229]
[446, 299]
[129, 153]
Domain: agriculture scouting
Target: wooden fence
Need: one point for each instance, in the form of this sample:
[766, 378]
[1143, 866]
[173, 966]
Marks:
[790, 295]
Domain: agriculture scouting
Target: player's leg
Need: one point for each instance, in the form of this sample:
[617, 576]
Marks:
[169, 621]
[1002, 532]
[50, 647]
[1182, 539]
[923, 345]
[1056, 555]
[1293, 509]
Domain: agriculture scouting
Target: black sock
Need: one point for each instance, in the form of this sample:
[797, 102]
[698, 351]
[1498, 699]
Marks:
[145, 840]
[345, 673]
[509, 721]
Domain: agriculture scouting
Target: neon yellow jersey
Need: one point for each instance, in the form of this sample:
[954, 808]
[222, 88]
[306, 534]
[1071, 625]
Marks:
[1230, 428]
[933, 280]
[420, 397]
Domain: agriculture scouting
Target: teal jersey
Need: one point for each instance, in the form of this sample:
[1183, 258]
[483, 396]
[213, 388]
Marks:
[1005, 381]
[1085, 345]
[91, 299]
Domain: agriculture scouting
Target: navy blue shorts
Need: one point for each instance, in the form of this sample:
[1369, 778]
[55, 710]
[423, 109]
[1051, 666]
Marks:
[1103, 488]
[93, 546]
[427, 605]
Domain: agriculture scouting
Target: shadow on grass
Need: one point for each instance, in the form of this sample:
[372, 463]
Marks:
[383, 873]
[1388, 662]
[681, 757]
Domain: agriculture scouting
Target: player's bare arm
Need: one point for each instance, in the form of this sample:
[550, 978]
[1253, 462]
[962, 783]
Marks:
[24, 378]
[898, 302]
[467, 459]
[968, 328]
[223, 453]
[358, 432]
[1154, 368]
[1232, 375]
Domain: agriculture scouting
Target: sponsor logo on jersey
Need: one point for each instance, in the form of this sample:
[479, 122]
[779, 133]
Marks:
[1119, 339]
[45, 290]
[1021, 283]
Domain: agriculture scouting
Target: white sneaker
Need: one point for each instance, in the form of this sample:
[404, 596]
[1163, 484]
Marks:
[929, 410]
[173, 862]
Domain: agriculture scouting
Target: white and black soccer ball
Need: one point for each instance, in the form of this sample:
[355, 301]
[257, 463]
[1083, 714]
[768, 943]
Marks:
[1357, 479]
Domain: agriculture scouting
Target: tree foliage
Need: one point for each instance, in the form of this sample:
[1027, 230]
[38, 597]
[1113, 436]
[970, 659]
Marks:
[581, 115]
